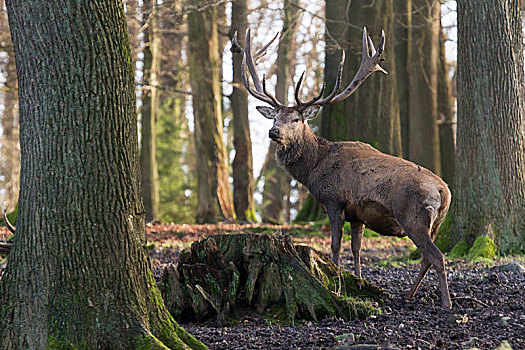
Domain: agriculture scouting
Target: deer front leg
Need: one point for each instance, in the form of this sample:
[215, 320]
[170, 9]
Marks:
[336, 217]
[357, 234]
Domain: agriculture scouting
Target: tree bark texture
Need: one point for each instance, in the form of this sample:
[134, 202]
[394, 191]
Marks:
[402, 23]
[214, 194]
[277, 180]
[489, 191]
[373, 110]
[149, 111]
[227, 273]
[423, 84]
[447, 117]
[79, 275]
[243, 181]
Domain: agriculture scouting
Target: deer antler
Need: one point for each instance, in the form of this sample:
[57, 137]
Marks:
[248, 61]
[369, 64]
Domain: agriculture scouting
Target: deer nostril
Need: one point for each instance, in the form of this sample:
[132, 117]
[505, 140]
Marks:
[273, 133]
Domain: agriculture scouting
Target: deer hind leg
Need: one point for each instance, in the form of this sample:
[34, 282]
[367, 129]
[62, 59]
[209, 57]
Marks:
[433, 256]
[336, 217]
[425, 266]
[357, 234]
[421, 227]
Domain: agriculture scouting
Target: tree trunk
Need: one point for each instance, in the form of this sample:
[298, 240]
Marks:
[447, 117]
[214, 196]
[79, 275]
[175, 143]
[402, 21]
[489, 187]
[293, 281]
[149, 110]
[243, 181]
[277, 180]
[373, 110]
[423, 94]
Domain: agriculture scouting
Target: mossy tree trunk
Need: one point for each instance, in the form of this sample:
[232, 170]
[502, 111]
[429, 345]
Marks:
[423, 61]
[149, 110]
[214, 194]
[79, 275]
[266, 273]
[243, 181]
[489, 186]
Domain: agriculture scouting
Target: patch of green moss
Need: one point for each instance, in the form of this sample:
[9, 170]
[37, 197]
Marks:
[54, 343]
[149, 342]
[459, 250]
[250, 215]
[415, 254]
[483, 248]
[442, 240]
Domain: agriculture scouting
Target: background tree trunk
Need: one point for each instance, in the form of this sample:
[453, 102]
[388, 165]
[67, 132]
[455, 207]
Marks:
[277, 181]
[423, 88]
[373, 110]
[214, 195]
[9, 142]
[489, 190]
[79, 275]
[243, 181]
[149, 110]
[402, 23]
[447, 117]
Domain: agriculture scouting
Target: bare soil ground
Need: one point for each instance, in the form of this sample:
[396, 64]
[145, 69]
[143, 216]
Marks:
[488, 298]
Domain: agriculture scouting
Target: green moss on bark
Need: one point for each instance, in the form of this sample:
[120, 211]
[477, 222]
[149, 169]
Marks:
[459, 250]
[54, 343]
[442, 240]
[483, 248]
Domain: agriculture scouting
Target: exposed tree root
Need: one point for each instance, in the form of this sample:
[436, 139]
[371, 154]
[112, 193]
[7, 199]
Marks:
[264, 272]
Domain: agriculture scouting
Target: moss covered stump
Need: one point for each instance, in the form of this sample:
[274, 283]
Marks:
[219, 276]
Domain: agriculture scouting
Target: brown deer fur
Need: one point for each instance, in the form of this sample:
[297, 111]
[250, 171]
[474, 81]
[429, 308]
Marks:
[356, 183]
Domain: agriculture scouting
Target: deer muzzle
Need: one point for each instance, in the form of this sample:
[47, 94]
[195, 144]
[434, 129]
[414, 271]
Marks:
[274, 134]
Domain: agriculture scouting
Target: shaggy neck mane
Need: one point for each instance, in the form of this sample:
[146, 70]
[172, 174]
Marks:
[300, 157]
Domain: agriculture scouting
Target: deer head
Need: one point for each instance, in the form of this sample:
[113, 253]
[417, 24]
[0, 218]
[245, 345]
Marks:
[289, 122]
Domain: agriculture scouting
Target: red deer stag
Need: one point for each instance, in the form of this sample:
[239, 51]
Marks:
[351, 180]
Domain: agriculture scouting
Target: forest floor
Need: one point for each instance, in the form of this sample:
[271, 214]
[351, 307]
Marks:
[488, 298]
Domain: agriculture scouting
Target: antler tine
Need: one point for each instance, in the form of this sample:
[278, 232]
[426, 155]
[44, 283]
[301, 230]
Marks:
[337, 84]
[262, 51]
[314, 99]
[251, 63]
[246, 84]
[297, 89]
[369, 64]
[248, 61]
[236, 48]
[366, 50]
[267, 93]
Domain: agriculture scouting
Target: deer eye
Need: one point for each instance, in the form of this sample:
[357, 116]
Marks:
[296, 120]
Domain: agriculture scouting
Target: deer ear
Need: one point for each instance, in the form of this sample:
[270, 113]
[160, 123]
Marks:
[267, 112]
[311, 112]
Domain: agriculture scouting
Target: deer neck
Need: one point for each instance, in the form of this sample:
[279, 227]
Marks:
[300, 157]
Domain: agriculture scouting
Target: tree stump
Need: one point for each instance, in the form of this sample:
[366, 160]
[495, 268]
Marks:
[218, 275]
